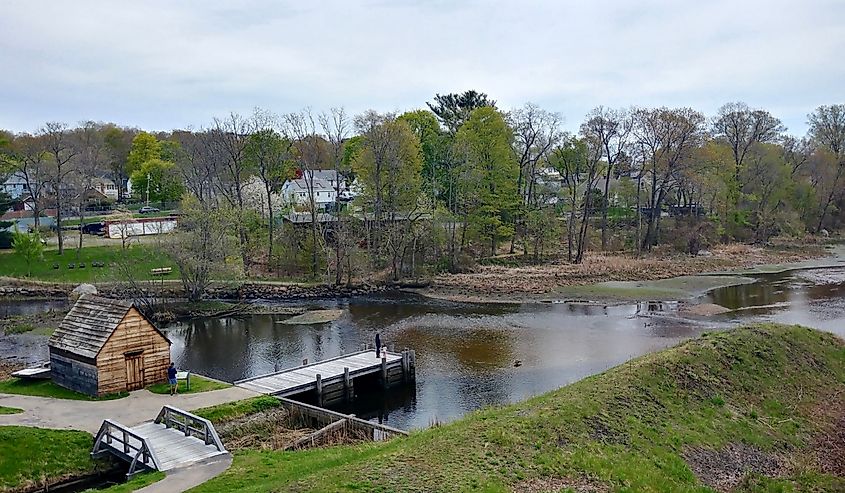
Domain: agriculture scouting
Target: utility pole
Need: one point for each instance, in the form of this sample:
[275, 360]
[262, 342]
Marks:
[148, 189]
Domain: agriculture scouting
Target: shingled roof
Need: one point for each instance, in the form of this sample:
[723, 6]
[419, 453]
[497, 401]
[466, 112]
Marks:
[88, 325]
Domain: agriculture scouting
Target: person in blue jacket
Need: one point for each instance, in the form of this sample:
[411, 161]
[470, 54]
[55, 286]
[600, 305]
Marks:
[171, 378]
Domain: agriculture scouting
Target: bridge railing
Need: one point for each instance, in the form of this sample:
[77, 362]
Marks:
[115, 437]
[190, 425]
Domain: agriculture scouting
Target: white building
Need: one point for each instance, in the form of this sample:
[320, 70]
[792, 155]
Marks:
[296, 192]
[105, 187]
[15, 185]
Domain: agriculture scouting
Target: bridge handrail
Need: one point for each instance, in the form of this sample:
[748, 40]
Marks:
[143, 451]
[169, 414]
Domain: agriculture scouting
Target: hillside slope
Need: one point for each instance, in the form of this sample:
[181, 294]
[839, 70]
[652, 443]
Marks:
[754, 409]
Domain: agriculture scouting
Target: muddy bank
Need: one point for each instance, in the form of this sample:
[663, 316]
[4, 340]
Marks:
[663, 275]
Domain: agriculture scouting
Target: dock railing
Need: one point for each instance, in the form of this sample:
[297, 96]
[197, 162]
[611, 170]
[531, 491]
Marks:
[191, 425]
[115, 437]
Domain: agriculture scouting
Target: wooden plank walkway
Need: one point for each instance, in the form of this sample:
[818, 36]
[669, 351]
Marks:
[173, 449]
[304, 378]
[175, 439]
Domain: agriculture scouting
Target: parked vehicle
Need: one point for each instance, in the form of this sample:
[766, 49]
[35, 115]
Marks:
[148, 210]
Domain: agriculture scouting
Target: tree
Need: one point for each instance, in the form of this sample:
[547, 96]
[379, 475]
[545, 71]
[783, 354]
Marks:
[27, 156]
[536, 132]
[118, 143]
[454, 109]
[28, 246]
[668, 138]
[610, 130]
[389, 167]
[272, 156]
[335, 125]
[228, 141]
[145, 147]
[827, 130]
[569, 158]
[61, 152]
[90, 163]
[488, 175]
[201, 246]
[742, 128]
[160, 178]
[434, 146]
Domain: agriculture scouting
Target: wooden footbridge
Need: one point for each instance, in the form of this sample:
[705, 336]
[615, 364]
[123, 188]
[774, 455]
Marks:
[333, 379]
[174, 439]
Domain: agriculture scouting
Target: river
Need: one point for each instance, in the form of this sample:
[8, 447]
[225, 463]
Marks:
[473, 355]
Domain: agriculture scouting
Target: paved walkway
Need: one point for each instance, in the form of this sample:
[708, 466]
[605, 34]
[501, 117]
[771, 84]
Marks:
[139, 406]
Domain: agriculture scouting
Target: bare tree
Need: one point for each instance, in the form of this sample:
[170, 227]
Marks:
[536, 132]
[668, 138]
[335, 125]
[827, 130]
[302, 130]
[91, 160]
[29, 159]
[610, 129]
[58, 145]
[742, 127]
[229, 139]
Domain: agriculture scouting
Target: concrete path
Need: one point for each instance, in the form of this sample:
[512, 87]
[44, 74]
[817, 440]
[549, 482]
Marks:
[186, 478]
[139, 406]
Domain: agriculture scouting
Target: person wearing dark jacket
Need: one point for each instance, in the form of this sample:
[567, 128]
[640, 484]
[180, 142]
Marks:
[171, 378]
[378, 344]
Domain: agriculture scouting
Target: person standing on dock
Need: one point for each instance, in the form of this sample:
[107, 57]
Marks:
[378, 344]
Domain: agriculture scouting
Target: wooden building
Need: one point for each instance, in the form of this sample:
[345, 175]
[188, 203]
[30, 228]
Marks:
[104, 346]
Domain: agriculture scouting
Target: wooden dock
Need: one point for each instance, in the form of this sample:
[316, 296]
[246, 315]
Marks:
[333, 379]
[174, 439]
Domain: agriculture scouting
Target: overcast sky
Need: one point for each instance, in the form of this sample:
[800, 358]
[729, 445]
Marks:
[161, 65]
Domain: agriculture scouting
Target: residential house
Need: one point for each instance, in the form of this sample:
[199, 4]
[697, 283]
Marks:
[105, 186]
[16, 185]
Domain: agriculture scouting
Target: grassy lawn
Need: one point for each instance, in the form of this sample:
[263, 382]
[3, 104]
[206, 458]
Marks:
[35, 456]
[10, 410]
[198, 384]
[234, 410]
[139, 259]
[136, 483]
[46, 388]
[757, 409]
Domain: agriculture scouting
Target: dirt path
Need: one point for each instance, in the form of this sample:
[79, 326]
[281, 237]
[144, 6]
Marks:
[139, 406]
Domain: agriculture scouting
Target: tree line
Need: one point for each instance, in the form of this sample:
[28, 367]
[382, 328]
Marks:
[440, 188]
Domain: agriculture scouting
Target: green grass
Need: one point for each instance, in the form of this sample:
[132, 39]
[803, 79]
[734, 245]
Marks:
[629, 429]
[46, 388]
[35, 456]
[136, 483]
[198, 384]
[10, 410]
[233, 410]
[139, 258]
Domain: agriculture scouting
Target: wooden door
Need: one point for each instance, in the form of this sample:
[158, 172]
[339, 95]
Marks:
[134, 372]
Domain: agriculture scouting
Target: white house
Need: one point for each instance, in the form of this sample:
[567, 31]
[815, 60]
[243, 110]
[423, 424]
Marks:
[15, 185]
[296, 192]
[105, 186]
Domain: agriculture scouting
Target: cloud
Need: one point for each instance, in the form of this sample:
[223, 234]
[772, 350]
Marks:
[163, 65]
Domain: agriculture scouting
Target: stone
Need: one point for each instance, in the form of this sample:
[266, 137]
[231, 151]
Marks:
[80, 290]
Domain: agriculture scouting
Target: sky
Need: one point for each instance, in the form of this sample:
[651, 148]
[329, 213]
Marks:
[160, 65]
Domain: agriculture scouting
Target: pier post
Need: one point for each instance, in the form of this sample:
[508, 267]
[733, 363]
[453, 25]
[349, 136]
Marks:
[319, 390]
[304, 361]
[384, 381]
[347, 384]
[404, 366]
[412, 364]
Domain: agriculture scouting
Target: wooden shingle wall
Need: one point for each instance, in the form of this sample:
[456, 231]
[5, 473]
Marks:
[134, 333]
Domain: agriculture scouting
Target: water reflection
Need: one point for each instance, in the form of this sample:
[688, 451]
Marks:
[468, 356]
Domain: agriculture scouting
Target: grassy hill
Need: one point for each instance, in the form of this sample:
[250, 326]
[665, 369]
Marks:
[753, 409]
